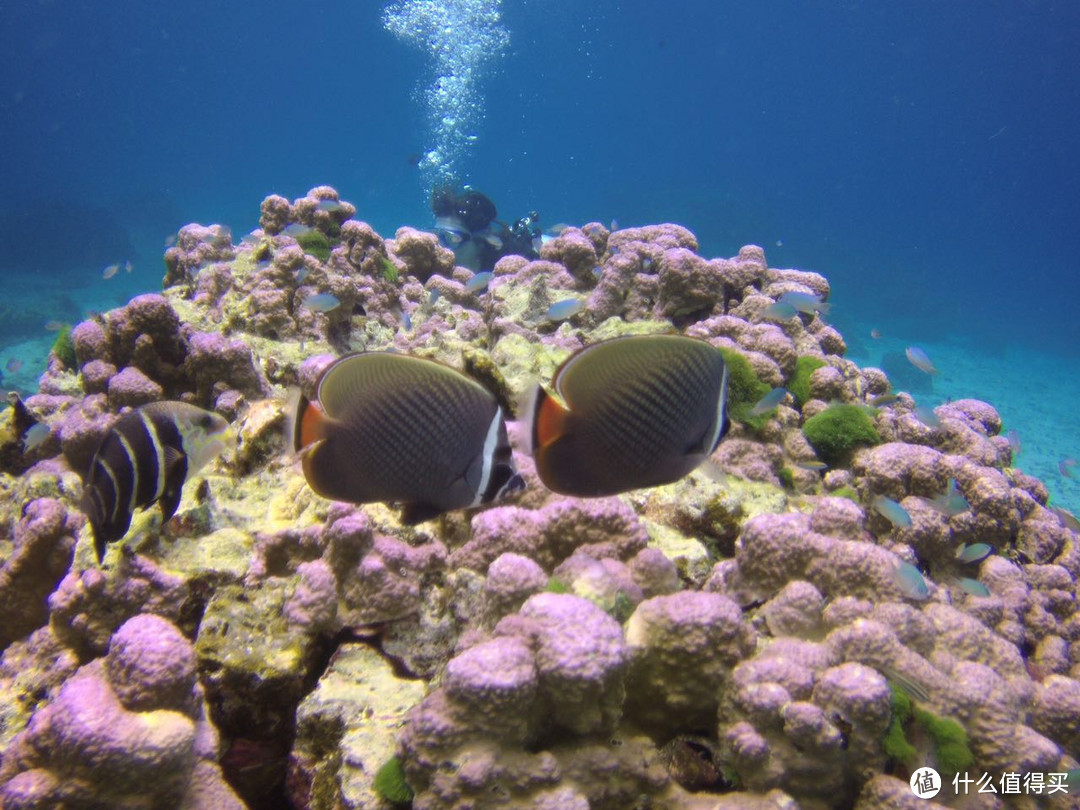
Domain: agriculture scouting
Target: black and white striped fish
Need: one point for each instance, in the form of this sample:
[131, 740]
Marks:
[631, 412]
[145, 458]
[394, 428]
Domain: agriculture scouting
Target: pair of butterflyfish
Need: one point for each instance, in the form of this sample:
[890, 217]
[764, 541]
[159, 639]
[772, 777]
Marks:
[145, 458]
[626, 413]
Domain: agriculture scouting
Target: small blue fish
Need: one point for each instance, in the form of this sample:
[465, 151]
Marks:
[891, 511]
[973, 587]
[301, 274]
[329, 205]
[950, 503]
[567, 308]
[910, 581]
[402, 315]
[813, 466]
[322, 302]
[478, 283]
[976, 552]
[920, 360]
[780, 311]
[296, 229]
[1065, 467]
[926, 415]
[433, 296]
[769, 401]
[805, 302]
[1014, 442]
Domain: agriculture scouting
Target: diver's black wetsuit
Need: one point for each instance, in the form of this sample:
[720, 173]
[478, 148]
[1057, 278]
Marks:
[466, 222]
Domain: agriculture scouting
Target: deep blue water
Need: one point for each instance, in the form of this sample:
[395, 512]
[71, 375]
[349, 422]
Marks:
[923, 155]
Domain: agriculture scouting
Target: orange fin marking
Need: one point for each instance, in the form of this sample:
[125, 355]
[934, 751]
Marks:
[551, 418]
[312, 425]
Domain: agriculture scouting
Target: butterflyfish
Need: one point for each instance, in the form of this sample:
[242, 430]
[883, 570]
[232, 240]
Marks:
[627, 413]
[145, 458]
[388, 427]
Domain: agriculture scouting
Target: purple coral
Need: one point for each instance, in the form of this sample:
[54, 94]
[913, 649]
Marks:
[129, 729]
[605, 527]
[683, 648]
[421, 253]
[44, 544]
[580, 658]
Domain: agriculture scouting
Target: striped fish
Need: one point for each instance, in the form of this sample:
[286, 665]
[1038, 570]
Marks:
[145, 458]
[387, 427]
[635, 412]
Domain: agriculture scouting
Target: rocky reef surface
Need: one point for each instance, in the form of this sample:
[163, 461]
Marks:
[760, 634]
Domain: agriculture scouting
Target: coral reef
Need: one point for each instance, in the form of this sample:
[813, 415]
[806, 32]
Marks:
[125, 730]
[759, 634]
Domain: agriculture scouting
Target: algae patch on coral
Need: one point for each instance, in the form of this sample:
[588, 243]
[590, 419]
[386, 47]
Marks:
[799, 384]
[315, 243]
[744, 390]
[837, 431]
[390, 783]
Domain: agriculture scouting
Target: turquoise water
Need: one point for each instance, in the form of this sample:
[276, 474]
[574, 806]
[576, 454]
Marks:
[922, 156]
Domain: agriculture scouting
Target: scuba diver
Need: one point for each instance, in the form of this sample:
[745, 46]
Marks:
[466, 223]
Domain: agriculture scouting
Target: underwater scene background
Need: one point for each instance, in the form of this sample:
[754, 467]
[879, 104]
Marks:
[917, 162]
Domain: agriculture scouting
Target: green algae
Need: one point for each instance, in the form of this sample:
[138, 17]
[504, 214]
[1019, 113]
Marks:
[63, 349]
[389, 270]
[315, 243]
[948, 739]
[390, 783]
[745, 390]
[557, 586]
[846, 492]
[787, 477]
[799, 384]
[896, 744]
[837, 431]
